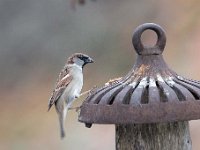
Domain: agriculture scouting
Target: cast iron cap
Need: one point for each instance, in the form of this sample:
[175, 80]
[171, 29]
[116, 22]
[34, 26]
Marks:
[150, 93]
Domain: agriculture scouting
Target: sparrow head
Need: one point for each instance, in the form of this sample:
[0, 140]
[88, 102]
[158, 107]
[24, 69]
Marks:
[80, 59]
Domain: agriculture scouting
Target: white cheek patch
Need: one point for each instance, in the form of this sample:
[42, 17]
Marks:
[78, 62]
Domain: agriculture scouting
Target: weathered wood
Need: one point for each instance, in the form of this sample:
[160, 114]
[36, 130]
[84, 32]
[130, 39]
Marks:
[160, 136]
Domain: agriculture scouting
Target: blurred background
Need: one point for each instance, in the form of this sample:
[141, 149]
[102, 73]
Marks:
[36, 38]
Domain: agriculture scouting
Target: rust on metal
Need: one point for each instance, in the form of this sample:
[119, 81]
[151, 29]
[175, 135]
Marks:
[151, 92]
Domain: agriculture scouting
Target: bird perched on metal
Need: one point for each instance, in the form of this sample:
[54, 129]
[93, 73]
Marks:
[68, 86]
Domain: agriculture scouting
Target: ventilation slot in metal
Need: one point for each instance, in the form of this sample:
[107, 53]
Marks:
[145, 95]
[179, 94]
[162, 93]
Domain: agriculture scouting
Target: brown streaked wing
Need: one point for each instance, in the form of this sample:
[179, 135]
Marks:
[63, 73]
[60, 87]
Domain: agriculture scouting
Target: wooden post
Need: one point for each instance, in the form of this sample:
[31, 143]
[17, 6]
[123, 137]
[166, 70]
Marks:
[159, 136]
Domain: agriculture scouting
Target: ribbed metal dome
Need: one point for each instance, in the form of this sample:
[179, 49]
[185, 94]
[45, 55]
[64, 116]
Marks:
[151, 92]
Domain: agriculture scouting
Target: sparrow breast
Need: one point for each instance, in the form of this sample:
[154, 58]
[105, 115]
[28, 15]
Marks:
[74, 88]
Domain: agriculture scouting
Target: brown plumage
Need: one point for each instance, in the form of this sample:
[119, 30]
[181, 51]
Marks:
[68, 86]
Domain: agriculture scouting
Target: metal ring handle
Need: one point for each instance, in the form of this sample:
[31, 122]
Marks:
[157, 48]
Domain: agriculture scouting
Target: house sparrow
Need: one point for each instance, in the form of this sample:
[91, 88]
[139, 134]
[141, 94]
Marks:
[68, 86]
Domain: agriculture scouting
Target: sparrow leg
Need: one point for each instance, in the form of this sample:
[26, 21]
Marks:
[76, 108]
[77, 96]
[84, 93]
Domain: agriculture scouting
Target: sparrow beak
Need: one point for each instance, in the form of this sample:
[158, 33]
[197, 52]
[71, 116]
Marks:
[90, 60]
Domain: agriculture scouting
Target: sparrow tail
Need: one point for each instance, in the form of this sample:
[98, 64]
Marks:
[62, 115]
[61, 121]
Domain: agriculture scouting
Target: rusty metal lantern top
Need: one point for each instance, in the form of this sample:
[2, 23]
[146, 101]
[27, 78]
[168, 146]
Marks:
[151, 92]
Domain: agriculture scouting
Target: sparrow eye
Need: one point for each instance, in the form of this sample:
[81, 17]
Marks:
[83, 58]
